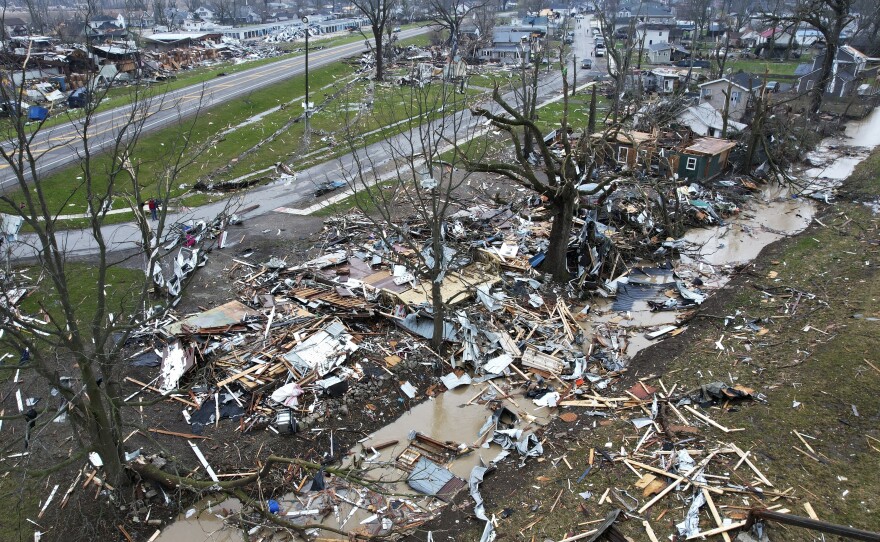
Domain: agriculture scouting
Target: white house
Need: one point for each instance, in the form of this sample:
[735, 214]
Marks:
[705, 120]
[650, 34]
[205, 12]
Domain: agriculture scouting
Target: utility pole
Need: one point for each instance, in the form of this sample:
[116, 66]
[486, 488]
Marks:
[574, 74]
[308, 106]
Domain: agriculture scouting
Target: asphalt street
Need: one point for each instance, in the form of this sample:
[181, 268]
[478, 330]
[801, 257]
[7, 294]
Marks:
[281, 196]
[61, 145]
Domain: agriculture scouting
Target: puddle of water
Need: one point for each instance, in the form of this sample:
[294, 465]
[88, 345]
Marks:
[865, 133]
[447, 417]
[206, 525]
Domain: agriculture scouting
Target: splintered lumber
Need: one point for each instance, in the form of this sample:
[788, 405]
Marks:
[238, 375]
[751, 465]
[49, 500]
[710, 421]
[718, 530]
[715, 515]
[649, 531]
[579, 536]
[175, 434]
[157, 390]
[810, 512]
[204, 461]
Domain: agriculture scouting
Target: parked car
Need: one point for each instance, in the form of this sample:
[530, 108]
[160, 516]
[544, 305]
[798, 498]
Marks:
[697, 63]
[587, 64]
[9, 109]
[78, 98]
[600, 50]
[327, 187]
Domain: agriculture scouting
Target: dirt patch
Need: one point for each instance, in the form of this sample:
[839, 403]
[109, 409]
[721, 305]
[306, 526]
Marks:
[814, 301]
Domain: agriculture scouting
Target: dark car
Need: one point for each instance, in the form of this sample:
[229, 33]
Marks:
[327, 187]
[587, 64]
[697, 63]
[78, 98]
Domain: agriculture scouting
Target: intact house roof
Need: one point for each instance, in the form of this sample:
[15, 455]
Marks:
[803, 69]
[722, 80]
[746, 80]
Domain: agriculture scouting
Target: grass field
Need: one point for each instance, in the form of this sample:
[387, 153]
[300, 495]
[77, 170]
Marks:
[246, 122]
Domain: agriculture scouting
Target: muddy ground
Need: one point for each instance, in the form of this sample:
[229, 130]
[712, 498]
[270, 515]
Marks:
[819, 366]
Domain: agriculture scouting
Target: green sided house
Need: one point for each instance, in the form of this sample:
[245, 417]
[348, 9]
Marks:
[705, 158]
[693, 159]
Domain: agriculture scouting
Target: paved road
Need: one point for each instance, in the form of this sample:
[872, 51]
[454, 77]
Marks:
[62, 144]
[277, 197]
[585, 47]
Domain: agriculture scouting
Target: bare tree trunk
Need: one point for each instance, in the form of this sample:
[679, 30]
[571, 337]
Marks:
[556, 260]
[380, 59]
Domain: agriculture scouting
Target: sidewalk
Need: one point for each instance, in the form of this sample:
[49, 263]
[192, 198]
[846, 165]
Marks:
[282, 197]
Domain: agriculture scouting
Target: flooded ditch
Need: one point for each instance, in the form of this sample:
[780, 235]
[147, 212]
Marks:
[453, 420]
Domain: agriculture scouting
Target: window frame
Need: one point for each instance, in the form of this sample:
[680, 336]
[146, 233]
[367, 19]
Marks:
[691, 160]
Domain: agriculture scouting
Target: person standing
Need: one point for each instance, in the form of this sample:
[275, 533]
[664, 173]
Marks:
[154, 208]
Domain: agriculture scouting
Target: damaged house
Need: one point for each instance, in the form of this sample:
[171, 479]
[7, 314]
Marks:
[849, 72]
[741, 88]
[668, 154]
[512, 44]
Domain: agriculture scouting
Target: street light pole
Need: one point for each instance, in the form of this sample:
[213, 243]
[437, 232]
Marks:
[308, 108]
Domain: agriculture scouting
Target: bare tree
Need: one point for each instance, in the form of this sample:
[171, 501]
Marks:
[829, 17]
[555, 176]
[378, 12]
[78, 339]
[425, 180]
[450, 15]
[484, 20]
[619, 58]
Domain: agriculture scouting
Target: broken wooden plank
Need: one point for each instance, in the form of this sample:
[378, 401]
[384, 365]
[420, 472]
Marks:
[176, 434]
[718, 530]
[49, 500]
[751, 465]
[710, 421]
[203, 461]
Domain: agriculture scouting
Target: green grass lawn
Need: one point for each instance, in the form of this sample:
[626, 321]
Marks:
[759, 67]
[154, 151]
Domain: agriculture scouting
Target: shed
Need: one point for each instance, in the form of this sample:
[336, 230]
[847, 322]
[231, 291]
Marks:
[704, 159]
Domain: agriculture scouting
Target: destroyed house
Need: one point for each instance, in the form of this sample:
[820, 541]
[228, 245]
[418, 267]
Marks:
[666, 154]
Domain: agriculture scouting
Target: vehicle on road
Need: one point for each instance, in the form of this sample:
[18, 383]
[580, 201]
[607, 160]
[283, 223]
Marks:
[78, 98]
[327, 187]
[600, 50]
[587, 64]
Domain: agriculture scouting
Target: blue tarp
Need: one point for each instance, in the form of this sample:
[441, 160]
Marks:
[37, 113]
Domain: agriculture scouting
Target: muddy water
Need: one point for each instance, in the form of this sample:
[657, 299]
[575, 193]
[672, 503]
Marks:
[711, 255]
[446, 417]
[204, 523]
[835, 158]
